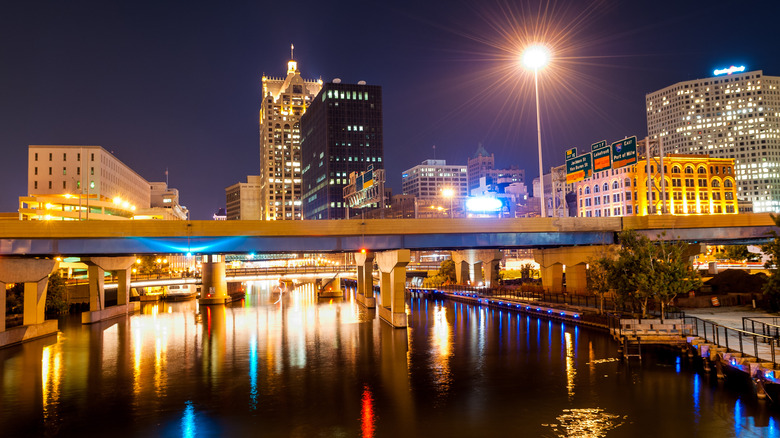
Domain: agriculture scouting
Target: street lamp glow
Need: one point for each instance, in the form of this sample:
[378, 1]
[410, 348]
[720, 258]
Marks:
[536, 57]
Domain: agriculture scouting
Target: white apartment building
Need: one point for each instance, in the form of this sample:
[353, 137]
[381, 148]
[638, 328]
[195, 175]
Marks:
[90, 170]
[89, 183]
[735, 115]
[429, 180]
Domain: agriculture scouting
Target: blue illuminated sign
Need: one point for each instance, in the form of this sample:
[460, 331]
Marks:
[730, 70]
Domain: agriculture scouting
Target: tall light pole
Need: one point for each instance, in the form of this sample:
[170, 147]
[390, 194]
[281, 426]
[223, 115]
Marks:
[534, 58]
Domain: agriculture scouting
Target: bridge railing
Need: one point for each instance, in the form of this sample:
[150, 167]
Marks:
[238, 272]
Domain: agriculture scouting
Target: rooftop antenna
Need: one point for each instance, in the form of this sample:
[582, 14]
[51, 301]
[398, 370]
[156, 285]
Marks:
[292, 47]
[166, 177]
[434, 152]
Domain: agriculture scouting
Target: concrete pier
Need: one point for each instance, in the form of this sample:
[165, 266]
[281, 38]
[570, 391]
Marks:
[392, 286]
[214, 284]
[365, 279]
[470, 263]
[96, 269]
[34, 274]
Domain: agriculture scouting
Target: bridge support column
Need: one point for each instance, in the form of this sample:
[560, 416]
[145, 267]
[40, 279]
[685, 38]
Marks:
[365, 279]
[461, 267]
[577, 279]
[477, 259]
[96, 269]
[552, 277]
[213, 282]
[392, 286]
[34, 274]
[575, 258]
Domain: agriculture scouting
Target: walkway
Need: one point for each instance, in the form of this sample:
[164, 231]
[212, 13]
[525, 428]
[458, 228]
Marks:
[735, 338]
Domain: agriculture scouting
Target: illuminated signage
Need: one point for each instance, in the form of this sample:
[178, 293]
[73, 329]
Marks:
[730, 70]
[579, 168]
[483, 204]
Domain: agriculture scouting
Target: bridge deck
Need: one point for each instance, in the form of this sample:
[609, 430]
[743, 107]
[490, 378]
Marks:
[137, 237]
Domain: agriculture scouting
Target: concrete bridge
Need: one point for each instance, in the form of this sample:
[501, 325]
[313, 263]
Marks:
[27, 247]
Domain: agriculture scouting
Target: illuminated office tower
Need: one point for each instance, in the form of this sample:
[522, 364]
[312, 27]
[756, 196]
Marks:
[342, 133]
[735, 114]
[284, 102]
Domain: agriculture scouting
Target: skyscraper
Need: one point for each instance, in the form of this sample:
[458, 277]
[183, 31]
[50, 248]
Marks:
[735, 115]
[284, 102]
[341, 134]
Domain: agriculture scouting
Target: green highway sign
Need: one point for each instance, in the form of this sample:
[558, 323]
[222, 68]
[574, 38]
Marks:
[579, 168]
[602, 158]
[571, 153]
[624, 152]
[599, 145]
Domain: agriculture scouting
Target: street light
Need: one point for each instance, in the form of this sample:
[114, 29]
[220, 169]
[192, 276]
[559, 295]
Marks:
[536, 57]
[449, 193]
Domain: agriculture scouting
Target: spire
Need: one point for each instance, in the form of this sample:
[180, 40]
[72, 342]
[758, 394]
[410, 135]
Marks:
[292, 47]
[292, 66]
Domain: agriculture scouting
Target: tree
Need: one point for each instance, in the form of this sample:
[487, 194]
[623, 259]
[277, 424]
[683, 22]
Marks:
[56, 295]
[447, 271]
[645, 270]
[772, 286]
[598, 277]
[736, 253]
[527, 271]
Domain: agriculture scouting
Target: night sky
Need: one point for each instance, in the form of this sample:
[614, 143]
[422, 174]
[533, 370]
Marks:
[176, 84]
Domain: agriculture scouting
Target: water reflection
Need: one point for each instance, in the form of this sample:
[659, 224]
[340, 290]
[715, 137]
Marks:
[308, 367]
[367, 414]
[441, 343]
[571, 371]
[585, 423]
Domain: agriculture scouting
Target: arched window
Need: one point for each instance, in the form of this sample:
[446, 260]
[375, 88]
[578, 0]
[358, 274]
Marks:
[676, 169]
[596, 188]
[727, 183]
[715, 183]
[587, 190]
[688, 169]
[701, 170]
[711, 170]
[615, 185]
[665, 169]
[580, 191]
[627, 182]
[605, 187]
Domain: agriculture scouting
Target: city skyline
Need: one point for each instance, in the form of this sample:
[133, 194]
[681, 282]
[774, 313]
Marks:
[169, 88]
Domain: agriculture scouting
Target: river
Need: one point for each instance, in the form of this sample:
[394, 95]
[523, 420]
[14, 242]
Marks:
[296, 366]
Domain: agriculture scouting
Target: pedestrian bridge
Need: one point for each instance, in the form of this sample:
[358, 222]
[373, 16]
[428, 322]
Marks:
[46, 238]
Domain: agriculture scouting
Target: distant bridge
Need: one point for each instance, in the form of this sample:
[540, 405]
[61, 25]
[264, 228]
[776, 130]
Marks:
[46, 238]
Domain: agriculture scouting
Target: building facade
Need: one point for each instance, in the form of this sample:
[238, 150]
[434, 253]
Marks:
[694, 184]
[482, 165]
[79, 183]
[284, 101]
[341, 133]
[243, 199]
[731, 116]
[429, 179]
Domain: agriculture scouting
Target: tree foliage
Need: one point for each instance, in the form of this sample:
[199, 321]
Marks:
[642, 270]
[56, 295]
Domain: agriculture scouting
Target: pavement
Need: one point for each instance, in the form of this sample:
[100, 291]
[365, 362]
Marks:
[730, 316]
[757, 346]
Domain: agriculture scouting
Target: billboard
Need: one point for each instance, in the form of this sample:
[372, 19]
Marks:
[624, 152]
[579, 168]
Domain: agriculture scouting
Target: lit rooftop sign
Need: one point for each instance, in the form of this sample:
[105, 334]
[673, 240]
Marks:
[730, 70]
